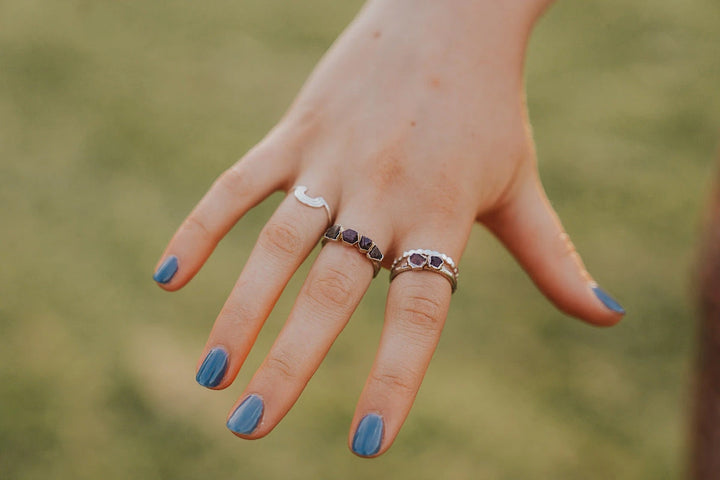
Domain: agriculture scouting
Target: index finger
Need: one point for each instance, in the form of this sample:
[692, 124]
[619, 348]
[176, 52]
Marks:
[237, 190]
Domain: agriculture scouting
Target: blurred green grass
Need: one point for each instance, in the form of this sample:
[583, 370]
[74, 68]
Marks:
[116, 116]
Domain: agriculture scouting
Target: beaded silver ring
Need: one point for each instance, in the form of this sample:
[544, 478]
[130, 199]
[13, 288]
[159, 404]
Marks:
[430, 260]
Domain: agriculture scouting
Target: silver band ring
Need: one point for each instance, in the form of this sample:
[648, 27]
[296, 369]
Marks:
[314, 202]
[429, 260]
[348, 236]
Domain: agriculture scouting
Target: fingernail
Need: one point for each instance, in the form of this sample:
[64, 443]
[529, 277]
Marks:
[212, 370]
[166, 271]
[368, 435]
[246, 417]
[607, 300]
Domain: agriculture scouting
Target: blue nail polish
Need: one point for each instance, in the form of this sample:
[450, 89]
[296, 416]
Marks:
[167, 270]
[368, 435]
[212, 370]
[607, 300]
[246, 417]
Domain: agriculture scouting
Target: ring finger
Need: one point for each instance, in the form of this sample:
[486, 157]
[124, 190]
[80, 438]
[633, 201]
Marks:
[415, 314]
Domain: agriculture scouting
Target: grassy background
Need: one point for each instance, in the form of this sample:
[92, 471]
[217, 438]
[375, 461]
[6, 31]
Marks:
[116, 116]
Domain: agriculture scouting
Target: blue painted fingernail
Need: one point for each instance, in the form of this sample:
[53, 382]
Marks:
[246, 417]
[607, 300]
[368, 435]
[166, 271]
[213, 368]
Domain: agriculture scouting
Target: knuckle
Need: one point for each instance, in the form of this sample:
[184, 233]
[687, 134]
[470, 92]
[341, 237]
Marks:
[195, 224]
[421, 312]
[566, 248]
[332, 288]
[445, 199]
[444, 203]
[280, 365]
[240, 315]
[389, 167]
[303, 122]
[282, 237]
[236, 180]
[396, 380]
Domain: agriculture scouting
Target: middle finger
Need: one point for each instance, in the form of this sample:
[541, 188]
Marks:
[284, 243]
[337, 281]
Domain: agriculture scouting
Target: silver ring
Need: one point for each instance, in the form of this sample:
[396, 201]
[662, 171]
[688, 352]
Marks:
[314, 202]
[430, 260]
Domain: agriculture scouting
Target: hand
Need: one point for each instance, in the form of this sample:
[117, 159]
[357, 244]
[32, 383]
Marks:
[412, 127]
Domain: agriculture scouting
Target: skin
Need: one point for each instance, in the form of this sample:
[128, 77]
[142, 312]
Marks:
[413, 127]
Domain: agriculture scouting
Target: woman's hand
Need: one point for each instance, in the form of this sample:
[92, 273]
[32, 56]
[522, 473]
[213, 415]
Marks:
[412, 128]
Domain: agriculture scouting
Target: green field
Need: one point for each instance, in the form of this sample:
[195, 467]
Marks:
[116, 116]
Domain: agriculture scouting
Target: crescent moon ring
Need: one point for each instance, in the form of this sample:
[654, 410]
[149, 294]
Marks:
[314, 202]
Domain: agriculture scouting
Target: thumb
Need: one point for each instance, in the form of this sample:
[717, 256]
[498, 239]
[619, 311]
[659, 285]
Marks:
[529, 227]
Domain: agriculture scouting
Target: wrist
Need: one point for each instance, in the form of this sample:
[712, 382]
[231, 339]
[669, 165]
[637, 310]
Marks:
[518, 15]
[491, 32]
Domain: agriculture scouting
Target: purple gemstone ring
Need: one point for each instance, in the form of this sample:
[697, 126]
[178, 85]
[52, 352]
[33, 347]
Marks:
[430, 260]
[350, 237]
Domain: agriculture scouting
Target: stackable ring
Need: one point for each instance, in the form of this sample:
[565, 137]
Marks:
[314, 202]
[430, 260]
[348, 236]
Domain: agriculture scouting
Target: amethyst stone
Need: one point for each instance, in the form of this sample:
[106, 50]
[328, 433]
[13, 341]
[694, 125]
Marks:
[332, 232]
[416, 260]
[435, 262]
[365, 243]
[350, 236]
[375, 253]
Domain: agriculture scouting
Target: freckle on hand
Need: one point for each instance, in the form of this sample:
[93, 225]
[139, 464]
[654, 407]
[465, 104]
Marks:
[377, 34]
